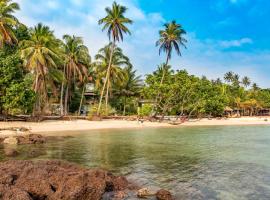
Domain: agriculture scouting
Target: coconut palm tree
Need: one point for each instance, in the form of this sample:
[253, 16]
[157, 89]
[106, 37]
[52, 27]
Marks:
[246, 81]
[40, 55]
[7, 22]
[117, 62]
[115, 23]
[171, 38]
[229, 76]
[77, 60]
[255, 87]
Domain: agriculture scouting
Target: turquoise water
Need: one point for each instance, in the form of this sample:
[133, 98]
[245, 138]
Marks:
[225, 162]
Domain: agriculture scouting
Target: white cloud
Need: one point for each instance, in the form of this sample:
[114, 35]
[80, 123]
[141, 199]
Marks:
[235, 43]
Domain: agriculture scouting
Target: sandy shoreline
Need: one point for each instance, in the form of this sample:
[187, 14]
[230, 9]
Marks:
[51, 127]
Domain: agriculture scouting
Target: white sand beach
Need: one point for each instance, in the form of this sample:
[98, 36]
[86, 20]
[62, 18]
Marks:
[66, 127]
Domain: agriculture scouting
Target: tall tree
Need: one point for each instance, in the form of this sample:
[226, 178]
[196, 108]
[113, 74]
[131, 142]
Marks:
[40, 56]
[171, 38]
[77, 60]
[246, 81]
[228, 77]
[115, 23]
[7, 22]
[117, 62]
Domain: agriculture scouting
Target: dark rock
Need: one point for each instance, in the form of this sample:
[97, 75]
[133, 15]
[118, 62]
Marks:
[10, 152]
[29, 180]
[164, 195]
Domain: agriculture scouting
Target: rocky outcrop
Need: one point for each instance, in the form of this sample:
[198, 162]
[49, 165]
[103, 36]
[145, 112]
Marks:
[56, 180]
[31, 139]
[26, 139]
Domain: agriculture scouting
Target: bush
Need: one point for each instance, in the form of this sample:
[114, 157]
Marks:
[93, 110]
[145, 110]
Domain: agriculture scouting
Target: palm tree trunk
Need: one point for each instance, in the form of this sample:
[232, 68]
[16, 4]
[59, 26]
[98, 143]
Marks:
[107, 96]
[79, 111]
[66, 100]
[62, 94]
[161, 82]
[124, 111]
[106, 79]
[163, 74]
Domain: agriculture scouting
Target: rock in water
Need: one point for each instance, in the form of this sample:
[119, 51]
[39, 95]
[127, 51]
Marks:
[10, 140]
[29, 180]
[164, 195]
[11, 152]
[143, 193]
[31, 139]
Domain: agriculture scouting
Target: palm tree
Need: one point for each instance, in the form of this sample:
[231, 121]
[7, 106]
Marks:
[171, 38]
[255, 87]
[236, 81]
[40, 55]
[229, 76]
[7, 22]
[130, 86]
[77, 60]
[246, 81]
[115, 23]
[117, 62]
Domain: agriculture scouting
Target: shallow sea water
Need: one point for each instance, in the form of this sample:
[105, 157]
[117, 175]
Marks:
[222, 162]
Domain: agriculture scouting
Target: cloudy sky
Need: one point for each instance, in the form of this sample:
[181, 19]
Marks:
[223, 35]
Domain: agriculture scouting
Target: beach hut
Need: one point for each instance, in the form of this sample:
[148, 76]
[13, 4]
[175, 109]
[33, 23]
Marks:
[228, 111]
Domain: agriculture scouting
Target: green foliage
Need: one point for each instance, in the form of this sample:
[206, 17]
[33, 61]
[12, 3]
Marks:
[145, 110]
[19, 99]
[75, 101]
[184, 94]
[16, 95]
[93, 110]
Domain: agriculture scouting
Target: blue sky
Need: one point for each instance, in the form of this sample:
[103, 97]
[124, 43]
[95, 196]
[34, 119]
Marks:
[223, 35]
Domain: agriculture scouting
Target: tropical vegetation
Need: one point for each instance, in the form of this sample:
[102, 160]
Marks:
[41, 74]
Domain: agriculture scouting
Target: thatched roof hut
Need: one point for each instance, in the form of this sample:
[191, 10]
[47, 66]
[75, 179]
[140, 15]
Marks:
[228, 109]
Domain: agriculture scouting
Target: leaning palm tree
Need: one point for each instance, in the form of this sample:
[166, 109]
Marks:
[115, 73]
[77, 60]
[7, 22]
[40, 54]
[171, 38]
[115, 23]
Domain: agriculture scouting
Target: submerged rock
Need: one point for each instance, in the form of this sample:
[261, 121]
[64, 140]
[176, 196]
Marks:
[26, 139]
[143, 193]
[28, 180]
[164, 195]
[31, 139]
[10, 152]
[10, 140]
